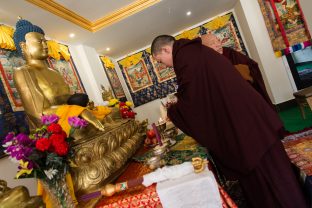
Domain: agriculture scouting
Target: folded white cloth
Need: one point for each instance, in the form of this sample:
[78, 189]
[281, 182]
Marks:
[190, 191]
[168, 172]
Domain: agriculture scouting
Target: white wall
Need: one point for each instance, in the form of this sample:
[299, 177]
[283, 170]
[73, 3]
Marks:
[90, 70]
[8, 170]
[255, 32]
[307, 10]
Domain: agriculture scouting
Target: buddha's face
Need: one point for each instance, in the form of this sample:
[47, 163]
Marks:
[36, 46]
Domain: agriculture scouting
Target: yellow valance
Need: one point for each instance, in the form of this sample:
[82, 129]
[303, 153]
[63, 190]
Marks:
[6, 37]
[148, 50]
[189, 34]
[107, 62]
[218, 22]
[56, 50]
[131, 60]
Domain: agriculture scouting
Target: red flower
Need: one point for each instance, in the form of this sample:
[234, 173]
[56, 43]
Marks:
[61, 148]
[43, 144]
[55, 138]
[64, 134]
[121, 104]
[55, 128]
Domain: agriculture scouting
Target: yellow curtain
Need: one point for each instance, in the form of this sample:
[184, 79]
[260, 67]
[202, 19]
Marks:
[131, 60]
[64, 52]
[57, 49]
[107, 62]
[149, 50]
[53, 49]
[189, 34]
[6, 37]
[218, 22]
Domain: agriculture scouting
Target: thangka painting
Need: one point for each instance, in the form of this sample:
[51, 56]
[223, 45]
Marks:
[12, 117]
[228, 36]
[138, 76]
[69, 73]
[114, 82]
[285, 23]
[162, 72]
[10, 60]
[225, 28]
[154, 89]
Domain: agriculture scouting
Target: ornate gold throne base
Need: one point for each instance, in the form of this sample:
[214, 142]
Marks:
[102, 158]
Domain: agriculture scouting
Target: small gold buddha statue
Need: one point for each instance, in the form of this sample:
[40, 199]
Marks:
[100, 154]
[107, 94]
[18, 197]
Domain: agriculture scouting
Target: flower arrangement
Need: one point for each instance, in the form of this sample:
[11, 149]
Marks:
[124, 108]
[44, 154]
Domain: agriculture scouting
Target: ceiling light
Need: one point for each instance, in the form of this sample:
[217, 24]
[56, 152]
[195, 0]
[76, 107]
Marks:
[107, 49]
[71, 35]
[188, 13]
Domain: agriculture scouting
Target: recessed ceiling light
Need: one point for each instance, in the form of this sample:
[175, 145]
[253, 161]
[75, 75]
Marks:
[107, 49]
[188, 13]
[71, 35]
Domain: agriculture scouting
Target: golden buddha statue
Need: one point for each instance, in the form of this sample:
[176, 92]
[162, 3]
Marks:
[102, 148]
[107, 94]
[41, 89]
[18, 197]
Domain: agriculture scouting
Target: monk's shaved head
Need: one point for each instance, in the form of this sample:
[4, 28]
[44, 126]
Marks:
[160, 41]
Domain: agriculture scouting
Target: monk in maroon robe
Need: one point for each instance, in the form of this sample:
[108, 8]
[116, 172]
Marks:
[224, 113]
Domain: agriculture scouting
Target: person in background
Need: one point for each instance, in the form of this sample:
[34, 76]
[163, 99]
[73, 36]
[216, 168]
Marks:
[224, 113]
[247, 67]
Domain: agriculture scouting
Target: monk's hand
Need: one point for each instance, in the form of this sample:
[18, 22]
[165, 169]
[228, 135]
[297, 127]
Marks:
[88, 116]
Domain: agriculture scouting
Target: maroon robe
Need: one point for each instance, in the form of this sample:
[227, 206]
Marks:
[222, 111]
[258, 83]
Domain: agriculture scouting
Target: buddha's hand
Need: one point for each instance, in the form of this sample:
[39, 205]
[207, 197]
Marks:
[88, 116]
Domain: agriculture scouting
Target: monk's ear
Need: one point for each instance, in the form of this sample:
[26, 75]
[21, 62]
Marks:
[167, 49]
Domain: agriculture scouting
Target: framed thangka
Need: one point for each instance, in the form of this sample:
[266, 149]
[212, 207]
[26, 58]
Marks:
[162, 72]
[12, 116]
[9, 61]
[286, 25]
[156, 85]
[138, 76]
[225, 28]
[113, 78]
[69, 73]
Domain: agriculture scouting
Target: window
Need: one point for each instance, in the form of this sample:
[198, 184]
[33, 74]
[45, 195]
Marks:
[300, 63]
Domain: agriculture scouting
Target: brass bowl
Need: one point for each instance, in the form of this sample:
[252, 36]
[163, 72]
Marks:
[155, 162]
[161, 127]
[160, 150]
[170, 133]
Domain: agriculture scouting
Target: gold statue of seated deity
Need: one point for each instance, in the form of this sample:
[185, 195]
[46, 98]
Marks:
[101, 149]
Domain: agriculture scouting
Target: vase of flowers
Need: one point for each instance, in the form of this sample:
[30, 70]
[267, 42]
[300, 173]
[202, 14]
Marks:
[46, 154]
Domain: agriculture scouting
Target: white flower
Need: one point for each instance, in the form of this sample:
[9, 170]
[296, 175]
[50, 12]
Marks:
[50, 173]
[7, 144]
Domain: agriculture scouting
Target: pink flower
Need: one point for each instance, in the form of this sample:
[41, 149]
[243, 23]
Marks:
[49, 119]
[77, 122]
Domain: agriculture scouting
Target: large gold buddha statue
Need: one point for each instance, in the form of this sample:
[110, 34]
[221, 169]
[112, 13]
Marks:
[101, 149]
